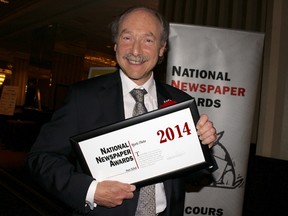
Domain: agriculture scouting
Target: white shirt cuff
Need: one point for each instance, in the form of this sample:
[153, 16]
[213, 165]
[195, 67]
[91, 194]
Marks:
[90, 195]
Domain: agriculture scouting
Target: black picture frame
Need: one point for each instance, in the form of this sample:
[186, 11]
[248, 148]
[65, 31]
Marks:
[80, 140]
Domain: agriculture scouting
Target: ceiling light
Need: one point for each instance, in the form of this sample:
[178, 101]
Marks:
[5, 70]
[98, 60]
[2, 78]
[4, 1]
[5, 67]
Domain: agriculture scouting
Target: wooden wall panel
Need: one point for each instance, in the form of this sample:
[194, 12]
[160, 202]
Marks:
[19, 78]
[67, 69]
[236, 14]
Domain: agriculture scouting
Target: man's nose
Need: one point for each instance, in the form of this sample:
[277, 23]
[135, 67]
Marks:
[136, 48]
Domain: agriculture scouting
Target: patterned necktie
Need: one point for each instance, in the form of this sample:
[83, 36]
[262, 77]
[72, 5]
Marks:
[146, 202]
[138, 95]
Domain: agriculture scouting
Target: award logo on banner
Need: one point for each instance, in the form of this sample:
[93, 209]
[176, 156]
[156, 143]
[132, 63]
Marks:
[220, 69]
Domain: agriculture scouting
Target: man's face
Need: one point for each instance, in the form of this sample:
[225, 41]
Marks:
[138, 45]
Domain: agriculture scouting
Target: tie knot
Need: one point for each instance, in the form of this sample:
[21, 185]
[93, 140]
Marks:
[138, 94]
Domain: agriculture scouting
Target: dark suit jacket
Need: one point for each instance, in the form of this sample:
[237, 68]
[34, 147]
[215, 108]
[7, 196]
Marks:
[90, 104]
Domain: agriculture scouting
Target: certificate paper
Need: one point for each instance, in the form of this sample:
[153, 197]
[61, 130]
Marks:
[145, 149]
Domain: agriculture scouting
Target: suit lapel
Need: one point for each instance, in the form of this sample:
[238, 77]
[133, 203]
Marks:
[162, 94]
[111, 96]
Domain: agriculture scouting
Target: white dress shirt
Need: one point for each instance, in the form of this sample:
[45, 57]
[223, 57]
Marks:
[150, 101]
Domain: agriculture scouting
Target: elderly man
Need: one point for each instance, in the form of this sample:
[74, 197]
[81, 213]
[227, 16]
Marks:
[140, 35]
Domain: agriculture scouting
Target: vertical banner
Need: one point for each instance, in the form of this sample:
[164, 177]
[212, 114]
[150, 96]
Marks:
[220, 68]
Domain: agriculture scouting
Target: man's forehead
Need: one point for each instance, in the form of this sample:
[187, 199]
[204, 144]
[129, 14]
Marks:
[132, 22]
[129, 31]
[139, 12]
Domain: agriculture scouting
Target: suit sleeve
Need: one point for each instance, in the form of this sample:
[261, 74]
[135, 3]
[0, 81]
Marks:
[51, 160]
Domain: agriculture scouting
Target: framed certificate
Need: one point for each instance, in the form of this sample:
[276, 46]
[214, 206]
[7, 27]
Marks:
[145, 149]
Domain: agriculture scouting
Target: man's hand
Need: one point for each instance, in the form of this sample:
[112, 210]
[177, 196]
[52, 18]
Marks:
[112, 193]
[206, 131]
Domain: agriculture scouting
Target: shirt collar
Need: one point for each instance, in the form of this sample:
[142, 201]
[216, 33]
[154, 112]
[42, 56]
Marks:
[128, 85]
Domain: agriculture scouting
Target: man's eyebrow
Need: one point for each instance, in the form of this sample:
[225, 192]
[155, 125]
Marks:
[150, 34]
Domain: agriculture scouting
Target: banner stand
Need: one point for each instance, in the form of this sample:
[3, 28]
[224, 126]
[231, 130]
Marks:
[220, 69]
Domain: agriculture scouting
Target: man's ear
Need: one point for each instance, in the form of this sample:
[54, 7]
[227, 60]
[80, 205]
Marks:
[162, 50]
[115, 47]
